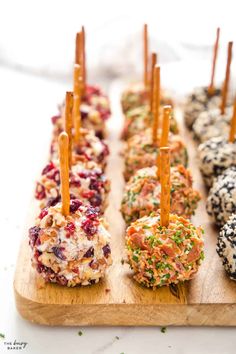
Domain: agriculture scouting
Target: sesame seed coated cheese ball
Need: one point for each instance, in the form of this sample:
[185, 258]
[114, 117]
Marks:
[143, 192]
[140, 152]
[199, 101]
[215, 155]
[210, 124]
[226, 247]
[221, 201]
[160, 255]
[72, 250]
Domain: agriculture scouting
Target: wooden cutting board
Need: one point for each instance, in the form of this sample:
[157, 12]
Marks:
[209, 299]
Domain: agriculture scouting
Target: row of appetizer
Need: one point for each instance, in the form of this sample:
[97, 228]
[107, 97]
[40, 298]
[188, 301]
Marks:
[210, 113]
[163, 246]
[70, 242]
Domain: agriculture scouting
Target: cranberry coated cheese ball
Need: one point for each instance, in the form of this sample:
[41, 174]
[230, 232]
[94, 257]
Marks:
[215, 156]
[226, 247]
[140, 152]
[89, 146]
[140, 118]
[221, 201]
[87, 183]
[162, 255]
[94, 109]
[72, 250]
[210, 124]
[200, 101]
[143, 192]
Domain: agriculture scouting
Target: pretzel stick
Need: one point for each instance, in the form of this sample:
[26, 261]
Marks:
[165, 126]
[233, 124]
[77, 48]
[153, 63]
[76, 102]
[227, 77]
[211, 87]
[156, 103]
[68, 122]
[64, 173]
[165, 185]
[164, 134]
[84, 55]
[145, 55]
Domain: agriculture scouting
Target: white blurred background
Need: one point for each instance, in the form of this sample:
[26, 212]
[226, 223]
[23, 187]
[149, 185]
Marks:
[38, 36]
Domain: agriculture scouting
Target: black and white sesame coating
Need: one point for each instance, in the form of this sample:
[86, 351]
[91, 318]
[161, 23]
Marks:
[221, 201]
[212, 123]
[215, 156]
[226, 246]
[198, 101]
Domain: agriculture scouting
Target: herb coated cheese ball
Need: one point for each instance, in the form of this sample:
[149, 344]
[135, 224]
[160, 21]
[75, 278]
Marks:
[90, 147]
[137, 95]
[210, 124]
[199, 101]
[215, 155]
[140, 152]
[140, 118]
[87, 183]
[162, 255]
[72, 250]
[221, 201]
[143, 192]
[226, 246]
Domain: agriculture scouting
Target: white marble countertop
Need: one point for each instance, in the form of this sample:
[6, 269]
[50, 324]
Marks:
[27, 102]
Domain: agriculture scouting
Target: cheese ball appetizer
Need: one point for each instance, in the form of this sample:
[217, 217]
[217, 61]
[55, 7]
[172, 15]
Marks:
[215, 156]
[137, 95]
[162, 255]
[226, 246]
[221, 201]
[72, 250]
[87, 183]
[94, 109]
[89, 146]
[199, 101]
[140, 118]
[210, 124]
[140, 152]
[143, 192]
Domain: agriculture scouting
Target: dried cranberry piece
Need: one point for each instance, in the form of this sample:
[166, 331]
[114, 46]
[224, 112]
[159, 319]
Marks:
[58, 252]
[61, 279]
[33, 235]
[89, 227]
[70, 228]
[95, 184]
[50, 166]
[53, 201]
[55, 118]
[83, 174]
[89, 253]
[106, 250]
[74, 205]
[74, 181]
[92, 213]
[84, 114]
[43, 213]
[40, 192]
[88, 194]
[96, 200]
[55, 176]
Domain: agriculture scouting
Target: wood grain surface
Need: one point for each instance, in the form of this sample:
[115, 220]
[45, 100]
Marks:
[209, 299]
